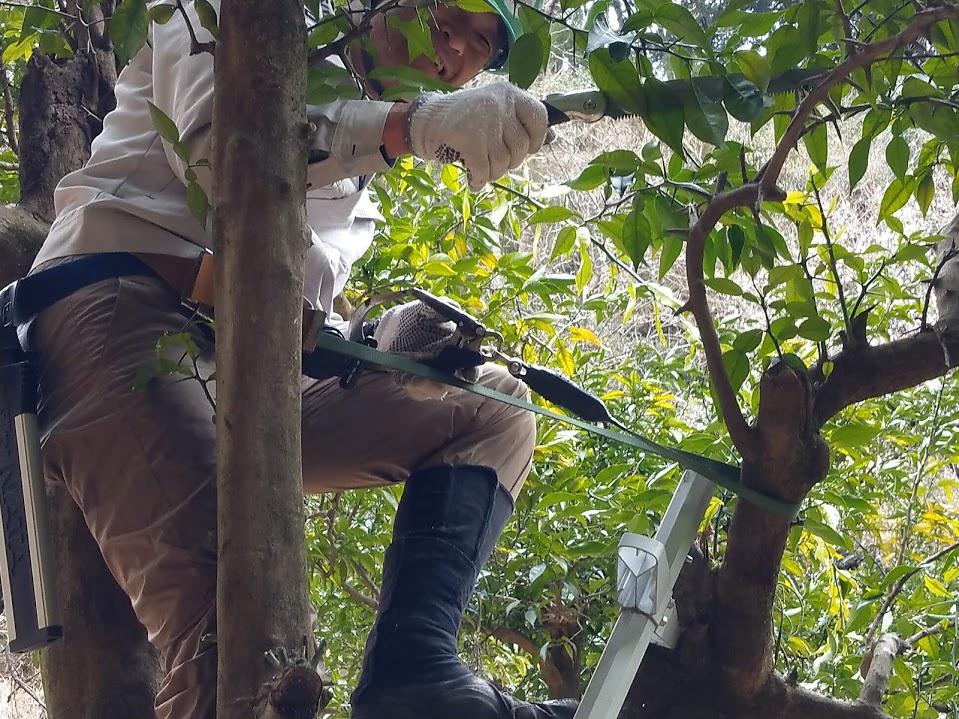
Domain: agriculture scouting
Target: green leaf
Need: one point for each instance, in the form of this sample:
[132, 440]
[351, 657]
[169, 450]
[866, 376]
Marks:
[826, 533]
[897, 155]
[526, 59]
[817, 145]
[36, 18]
[748, 341]
[551, 215]
[943, 122]
[807, 22]
[859, 161]
[590, 178]
[876, 121]
[166, 128]
[564, 243]
[323, 34]
[636, 235]
[128, 29]
[160, 11]
[639, 20]
[853, 435]
[737, 240]
[804, 236]
[417, 33]
[724, 285]
[705, 118]
[793, 360]
[665, 117]
[197, 201]
[672, 247]
[328, 83]
[620, 161]
[754, 67]
[618, 80]
[815, 328]
[681, 23]
[895, 197]
[591, 548]
[925, 191]
[207, 14]
[737, 367]
[787, 48]
[583, 276]
[743, 99]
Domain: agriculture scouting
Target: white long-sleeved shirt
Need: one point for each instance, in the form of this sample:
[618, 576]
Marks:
[131, 194]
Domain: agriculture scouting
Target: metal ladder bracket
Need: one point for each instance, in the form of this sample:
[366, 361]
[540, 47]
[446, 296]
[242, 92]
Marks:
[648, 570]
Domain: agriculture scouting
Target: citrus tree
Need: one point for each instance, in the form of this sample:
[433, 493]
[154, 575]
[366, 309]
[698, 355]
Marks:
[765, 278]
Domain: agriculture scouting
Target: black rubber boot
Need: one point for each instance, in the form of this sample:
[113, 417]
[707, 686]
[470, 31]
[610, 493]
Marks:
[446, 525]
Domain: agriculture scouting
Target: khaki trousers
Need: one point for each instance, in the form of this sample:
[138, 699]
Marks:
[140, 464]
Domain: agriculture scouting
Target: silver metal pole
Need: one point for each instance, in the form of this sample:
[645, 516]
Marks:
[648, 569]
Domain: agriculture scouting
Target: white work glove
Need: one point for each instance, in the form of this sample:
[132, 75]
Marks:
[490, 129]
[419, 332]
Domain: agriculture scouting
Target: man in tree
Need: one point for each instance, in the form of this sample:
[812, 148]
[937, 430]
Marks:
[125, 248]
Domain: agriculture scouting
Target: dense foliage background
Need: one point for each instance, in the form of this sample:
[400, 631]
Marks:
[577, 261]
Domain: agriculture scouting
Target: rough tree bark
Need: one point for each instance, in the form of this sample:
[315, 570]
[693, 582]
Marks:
[259, 227]
[104, 667]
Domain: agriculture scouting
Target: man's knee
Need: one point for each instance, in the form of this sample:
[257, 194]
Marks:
[510, 430]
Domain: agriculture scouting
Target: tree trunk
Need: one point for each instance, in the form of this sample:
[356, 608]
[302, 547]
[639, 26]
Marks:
[104, 667]
[259, 227]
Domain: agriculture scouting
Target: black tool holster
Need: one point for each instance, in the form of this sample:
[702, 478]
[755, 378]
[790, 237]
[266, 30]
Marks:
[26, 563]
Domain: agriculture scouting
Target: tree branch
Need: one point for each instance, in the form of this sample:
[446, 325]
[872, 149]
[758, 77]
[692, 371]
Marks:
[741, 434]
[795, 702]
[896, 588]
[928, 632]
[863, 372]
[879, 667]
[868, 54]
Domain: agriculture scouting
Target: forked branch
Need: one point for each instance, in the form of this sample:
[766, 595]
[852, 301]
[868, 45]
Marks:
[752, 195]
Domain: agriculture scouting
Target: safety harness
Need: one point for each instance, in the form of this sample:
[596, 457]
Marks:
[192, 278]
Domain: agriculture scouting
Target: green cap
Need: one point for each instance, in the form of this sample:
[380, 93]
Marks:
[512, 27]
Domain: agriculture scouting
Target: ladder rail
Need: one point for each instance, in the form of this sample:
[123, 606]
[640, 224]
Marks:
[634, 630]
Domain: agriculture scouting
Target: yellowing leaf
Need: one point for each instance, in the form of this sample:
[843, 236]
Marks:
[565, 358]
[581, 334]
[936, 587]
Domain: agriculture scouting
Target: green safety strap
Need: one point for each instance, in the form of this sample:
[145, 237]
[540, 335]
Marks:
[719, 473]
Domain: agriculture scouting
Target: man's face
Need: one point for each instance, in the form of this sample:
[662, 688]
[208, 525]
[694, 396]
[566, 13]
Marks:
[464, 42]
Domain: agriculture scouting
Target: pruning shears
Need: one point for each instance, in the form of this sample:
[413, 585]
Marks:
[593, 105]
[477, 344]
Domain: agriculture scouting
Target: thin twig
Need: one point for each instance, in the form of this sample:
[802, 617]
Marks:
[920, 474]
[846, 26]
[919, 25]
[28, 690]
[196, 47]
[27, 6]
[952, 253]
[833, 265]
[898, 586]
[865, 287]
[741, 434]
[928, 632]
